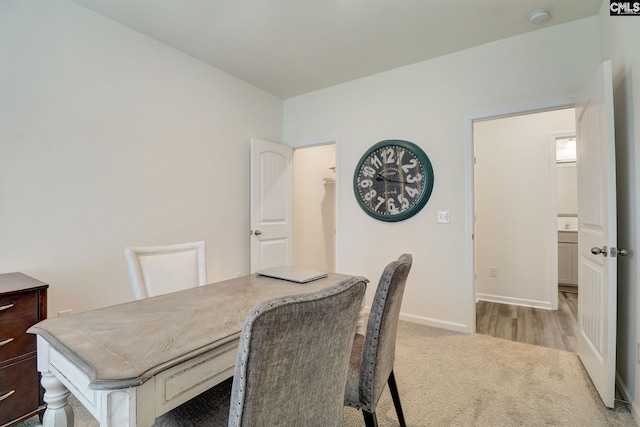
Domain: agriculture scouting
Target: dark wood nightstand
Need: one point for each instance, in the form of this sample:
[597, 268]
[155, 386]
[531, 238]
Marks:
[23, 303]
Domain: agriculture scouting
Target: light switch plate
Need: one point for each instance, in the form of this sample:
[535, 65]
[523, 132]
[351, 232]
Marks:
[444, 217]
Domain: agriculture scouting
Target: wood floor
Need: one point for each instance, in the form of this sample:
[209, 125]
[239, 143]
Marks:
[545, 328]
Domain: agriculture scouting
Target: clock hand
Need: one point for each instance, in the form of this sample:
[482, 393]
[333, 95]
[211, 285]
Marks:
[380, 177]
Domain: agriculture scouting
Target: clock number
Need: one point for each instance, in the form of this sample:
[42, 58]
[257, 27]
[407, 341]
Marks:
[411, 191]
[381, 200]
[368, 171]
[412, 180]
[365, 183]
[400, 156]
[387, 155]
[412, 164]
[370, 195]
[375, 161]
[391, 207]
[404, 202]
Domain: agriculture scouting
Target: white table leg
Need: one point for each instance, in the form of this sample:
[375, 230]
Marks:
[59, 413]
[130, 407]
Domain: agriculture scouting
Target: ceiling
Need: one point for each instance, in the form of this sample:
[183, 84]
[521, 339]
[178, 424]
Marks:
[290, 47]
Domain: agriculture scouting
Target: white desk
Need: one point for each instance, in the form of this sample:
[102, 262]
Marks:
[130, 363]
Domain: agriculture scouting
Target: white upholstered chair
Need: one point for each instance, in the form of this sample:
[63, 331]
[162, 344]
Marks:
[156, 270]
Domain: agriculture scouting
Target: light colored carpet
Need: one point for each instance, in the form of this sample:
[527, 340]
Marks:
[451, 379]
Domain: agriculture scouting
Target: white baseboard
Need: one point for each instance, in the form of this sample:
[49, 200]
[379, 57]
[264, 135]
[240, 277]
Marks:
[457, 327]
[635, 409]
[546, 305]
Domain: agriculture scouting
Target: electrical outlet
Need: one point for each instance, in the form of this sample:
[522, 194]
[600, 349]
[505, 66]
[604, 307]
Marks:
[493, 271]
[65, 312]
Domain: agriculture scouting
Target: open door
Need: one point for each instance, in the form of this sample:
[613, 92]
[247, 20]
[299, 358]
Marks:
[597, 241]
[271, 205]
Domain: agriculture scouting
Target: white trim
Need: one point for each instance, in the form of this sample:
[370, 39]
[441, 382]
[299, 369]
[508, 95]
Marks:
[545, 305]
[469, 224]
[451, 326]
[626, 395]
[523, 110]
[316, 143]
[469, 249]
[306, 143]
[553, 222]
[421, 320]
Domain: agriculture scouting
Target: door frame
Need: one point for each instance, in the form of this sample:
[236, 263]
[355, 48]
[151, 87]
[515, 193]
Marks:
[307, 143]
[469, 216]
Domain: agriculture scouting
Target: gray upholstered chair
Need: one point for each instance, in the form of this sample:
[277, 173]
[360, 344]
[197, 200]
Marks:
[157, 270]
[372, 356]
[291, 368]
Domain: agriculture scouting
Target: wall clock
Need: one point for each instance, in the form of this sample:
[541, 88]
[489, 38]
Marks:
[393, 180]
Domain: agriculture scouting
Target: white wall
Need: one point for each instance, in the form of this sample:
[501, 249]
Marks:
[314, 207]
[515, 207]
[108, 139]
[427, 103]
[619, 43]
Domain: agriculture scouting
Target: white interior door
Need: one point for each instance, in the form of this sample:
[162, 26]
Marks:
[271, 205]
[597, 274]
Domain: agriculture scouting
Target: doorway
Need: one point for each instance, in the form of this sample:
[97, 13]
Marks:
[516, 228]
[567, 210]
[314, 207]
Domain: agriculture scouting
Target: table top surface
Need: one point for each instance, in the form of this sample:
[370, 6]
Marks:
[126, 344]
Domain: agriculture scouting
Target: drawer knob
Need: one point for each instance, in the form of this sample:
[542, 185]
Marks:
[5, 342]
[6, 307]
[4, 396]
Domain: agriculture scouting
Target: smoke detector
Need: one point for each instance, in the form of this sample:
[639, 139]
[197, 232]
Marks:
[539, 16]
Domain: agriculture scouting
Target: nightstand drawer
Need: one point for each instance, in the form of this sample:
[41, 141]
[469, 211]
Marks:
[19, 389]
[18, 305]
[14, 340]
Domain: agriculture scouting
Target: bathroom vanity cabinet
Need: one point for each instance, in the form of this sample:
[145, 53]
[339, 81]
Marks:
[568, 258]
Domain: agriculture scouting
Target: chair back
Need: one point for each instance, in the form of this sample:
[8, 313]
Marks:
[380, 342]
[157, 270]
[293, 358]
